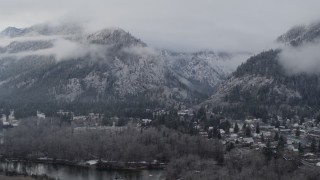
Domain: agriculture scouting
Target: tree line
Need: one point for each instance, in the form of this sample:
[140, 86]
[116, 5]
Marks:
[47, 138]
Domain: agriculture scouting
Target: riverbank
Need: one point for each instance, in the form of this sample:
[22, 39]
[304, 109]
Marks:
[2, 177]
[16, 175]
[100, 165]
[48, 171]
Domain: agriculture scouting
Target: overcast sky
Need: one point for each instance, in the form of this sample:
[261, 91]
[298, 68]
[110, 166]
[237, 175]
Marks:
[183, 25]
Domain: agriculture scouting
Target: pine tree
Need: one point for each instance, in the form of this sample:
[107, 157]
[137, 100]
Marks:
[301, 121]
[300, 148]
[277, 125]
[276, 136]
[210, 134]
[298, 132]
[268, 151]
[313, 145]
[227, 126]
[262, 138]
[258, 128]
[318, 119]
[280, 146]
[219, 135]
[248, 131]
[201, 112]
[215, 132]
[236, 128]
[244, 127]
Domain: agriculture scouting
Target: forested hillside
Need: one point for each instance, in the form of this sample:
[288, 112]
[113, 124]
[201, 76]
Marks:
[264, 85]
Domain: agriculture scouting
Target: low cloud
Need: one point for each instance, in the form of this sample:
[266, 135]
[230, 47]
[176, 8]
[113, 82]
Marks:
[213, 24]
[5, 41]
[236, 60]
[62, 48]
[303, 59]
[65, 49]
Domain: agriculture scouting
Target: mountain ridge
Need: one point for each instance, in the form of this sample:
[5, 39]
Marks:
[109, 66]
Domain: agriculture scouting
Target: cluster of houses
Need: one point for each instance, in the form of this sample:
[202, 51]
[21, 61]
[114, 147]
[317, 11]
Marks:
[157, 112]
[92, 119]
[10, 120]
[298, 137]
[89, 120]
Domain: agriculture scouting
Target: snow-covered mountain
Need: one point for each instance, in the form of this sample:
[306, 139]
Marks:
[301, 34]
[62, 64]
[115, 36]
[201, 71]
[11, 32]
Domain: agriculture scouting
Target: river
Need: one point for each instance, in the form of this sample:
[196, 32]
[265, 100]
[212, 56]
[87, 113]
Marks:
[76, 173]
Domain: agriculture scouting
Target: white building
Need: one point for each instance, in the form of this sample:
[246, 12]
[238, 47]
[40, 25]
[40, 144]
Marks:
[41, 115]
[4, 118]
[11, 116]
[145, 121]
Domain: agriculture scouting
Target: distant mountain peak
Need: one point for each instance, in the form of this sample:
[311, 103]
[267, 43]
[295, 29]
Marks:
[10, 32]
[115, 36]
[45, 29]
[301, 34]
